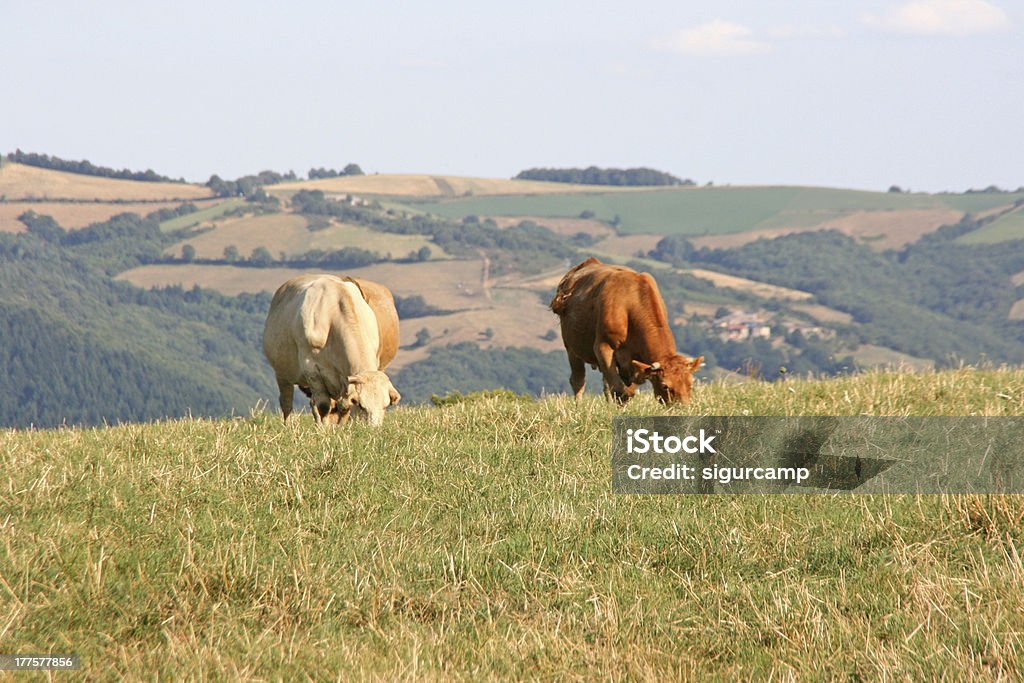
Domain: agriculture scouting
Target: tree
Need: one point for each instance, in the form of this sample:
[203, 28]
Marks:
[352, 169]
[231, 253]
[261, 257]
[423, 254]
[422, 337]
[188, 253]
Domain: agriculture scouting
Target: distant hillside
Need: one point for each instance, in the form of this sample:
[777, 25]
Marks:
[725, 210]
[83, 349]
[420, 185]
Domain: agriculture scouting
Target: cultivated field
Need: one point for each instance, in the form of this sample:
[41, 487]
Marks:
[481, 541]
[18, 181]
[422, 185]
[289, 233]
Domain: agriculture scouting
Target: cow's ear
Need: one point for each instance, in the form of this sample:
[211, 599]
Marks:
[644, 370]
[395, 396]
[696, 363]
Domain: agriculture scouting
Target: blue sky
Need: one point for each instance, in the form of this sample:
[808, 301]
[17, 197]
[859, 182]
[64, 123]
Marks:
[926, 94]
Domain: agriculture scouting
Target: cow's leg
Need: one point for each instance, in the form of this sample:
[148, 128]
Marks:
[606, 363]
[286, 394]
[578, 375]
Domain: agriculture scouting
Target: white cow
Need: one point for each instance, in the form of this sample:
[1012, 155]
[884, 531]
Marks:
[322, 335]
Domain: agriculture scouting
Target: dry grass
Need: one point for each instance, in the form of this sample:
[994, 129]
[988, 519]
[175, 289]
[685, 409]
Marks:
[626, 246]
[481, 541]
[761, 289]
[73, 215]
[18, 181]
[422, 185]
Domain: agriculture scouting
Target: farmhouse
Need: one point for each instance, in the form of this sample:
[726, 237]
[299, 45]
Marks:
[741, 326]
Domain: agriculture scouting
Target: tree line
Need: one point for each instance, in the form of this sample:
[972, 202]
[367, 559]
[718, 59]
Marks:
[593, 175]
[86, 168]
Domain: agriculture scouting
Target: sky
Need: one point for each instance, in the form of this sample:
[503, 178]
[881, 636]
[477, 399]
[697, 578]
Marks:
[924, 94]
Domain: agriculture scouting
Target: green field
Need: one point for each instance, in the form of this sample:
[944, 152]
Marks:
[711, 210]
[197, 217]
[481, 541]
[1003, 229]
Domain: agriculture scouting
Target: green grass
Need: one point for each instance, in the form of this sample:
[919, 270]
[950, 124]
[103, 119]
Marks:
[197, 217]
[1003, 229]
[708, 211]
[481, 541]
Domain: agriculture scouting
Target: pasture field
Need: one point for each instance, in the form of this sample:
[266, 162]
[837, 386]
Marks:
[481, 541]
[725, 210]
[1003, 229]
[18, 181]
[205, 214]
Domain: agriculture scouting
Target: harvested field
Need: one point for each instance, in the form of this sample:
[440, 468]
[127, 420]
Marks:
[75, 215]
[561, 226]
[18, 181]
[627, 246]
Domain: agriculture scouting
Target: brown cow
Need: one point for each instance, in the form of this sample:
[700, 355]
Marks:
[614, 318]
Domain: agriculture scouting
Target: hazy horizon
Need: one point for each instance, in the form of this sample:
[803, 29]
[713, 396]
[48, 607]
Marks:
[926, 94]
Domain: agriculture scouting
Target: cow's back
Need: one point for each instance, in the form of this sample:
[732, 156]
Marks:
[597, 300]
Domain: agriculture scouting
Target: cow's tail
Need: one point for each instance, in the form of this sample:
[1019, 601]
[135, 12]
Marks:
[317, 312]
[558, 303]
[565, 286]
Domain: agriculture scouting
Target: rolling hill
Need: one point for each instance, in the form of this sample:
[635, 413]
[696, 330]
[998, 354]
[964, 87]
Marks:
[482, 256]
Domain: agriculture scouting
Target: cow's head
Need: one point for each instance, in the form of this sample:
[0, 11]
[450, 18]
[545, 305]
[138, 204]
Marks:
[672, 378]
[368, 395]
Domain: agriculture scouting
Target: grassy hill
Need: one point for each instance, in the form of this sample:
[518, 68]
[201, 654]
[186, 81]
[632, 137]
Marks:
[481, 540]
